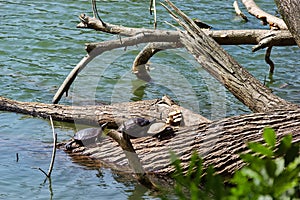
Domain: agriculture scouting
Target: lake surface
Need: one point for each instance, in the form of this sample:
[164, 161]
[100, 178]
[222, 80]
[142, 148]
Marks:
[39, 46]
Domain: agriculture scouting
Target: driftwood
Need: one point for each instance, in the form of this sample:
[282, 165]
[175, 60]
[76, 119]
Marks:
[219, 142]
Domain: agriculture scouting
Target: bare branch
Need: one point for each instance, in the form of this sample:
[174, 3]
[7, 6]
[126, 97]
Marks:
[139, 64]
[274, 22]
[48, 175]
[238, 11]
[53, 149]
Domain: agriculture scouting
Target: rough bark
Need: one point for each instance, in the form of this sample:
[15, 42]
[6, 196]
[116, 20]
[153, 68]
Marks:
[219, 142]
[290, 10]
[225, 69]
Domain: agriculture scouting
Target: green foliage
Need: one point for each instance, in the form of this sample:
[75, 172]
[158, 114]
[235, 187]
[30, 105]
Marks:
[187, 185]
[271, 173]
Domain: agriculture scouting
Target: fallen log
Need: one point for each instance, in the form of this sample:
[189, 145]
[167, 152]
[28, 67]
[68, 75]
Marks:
[114, 114]
[218, 142]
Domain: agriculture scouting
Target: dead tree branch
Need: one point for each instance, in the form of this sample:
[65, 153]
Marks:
[238, 11]
[96, 49]
[266, 18]
[170, 39]
[224, 68]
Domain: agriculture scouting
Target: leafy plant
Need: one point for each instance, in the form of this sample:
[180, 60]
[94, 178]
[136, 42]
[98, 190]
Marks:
[187, 185]
[271, 173]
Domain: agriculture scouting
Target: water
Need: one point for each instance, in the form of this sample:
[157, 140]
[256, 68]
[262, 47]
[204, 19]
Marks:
[39, 45]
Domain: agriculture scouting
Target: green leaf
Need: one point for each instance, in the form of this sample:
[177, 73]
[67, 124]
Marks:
[269, 136]
[195, 166]
[284, 145]
[291, 154]
[261, 149]
[271, 168]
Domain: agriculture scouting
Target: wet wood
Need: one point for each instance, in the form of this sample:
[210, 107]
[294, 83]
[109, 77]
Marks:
[219, 142]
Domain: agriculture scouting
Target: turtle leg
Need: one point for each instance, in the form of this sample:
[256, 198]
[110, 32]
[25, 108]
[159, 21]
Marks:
[69, 145]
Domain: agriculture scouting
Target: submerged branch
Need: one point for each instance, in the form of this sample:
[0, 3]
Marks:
[48, 175]
[53, 149]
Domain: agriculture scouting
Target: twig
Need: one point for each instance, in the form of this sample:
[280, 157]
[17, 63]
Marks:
[95, 12]
[150, 7]
[239, 12]
[48, 175]
[154, 11]
[54, 148]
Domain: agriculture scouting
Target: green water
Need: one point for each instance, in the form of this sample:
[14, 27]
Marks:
[40, 44]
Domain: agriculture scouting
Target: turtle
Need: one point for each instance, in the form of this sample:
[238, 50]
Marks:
[141, 127]
[85, 137]
[136, 127]
[161, 131]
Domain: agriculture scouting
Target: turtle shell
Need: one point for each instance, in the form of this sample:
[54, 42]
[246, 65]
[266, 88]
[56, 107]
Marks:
[88, 134]
[136, 127]
[161, 131]
[156, 128]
